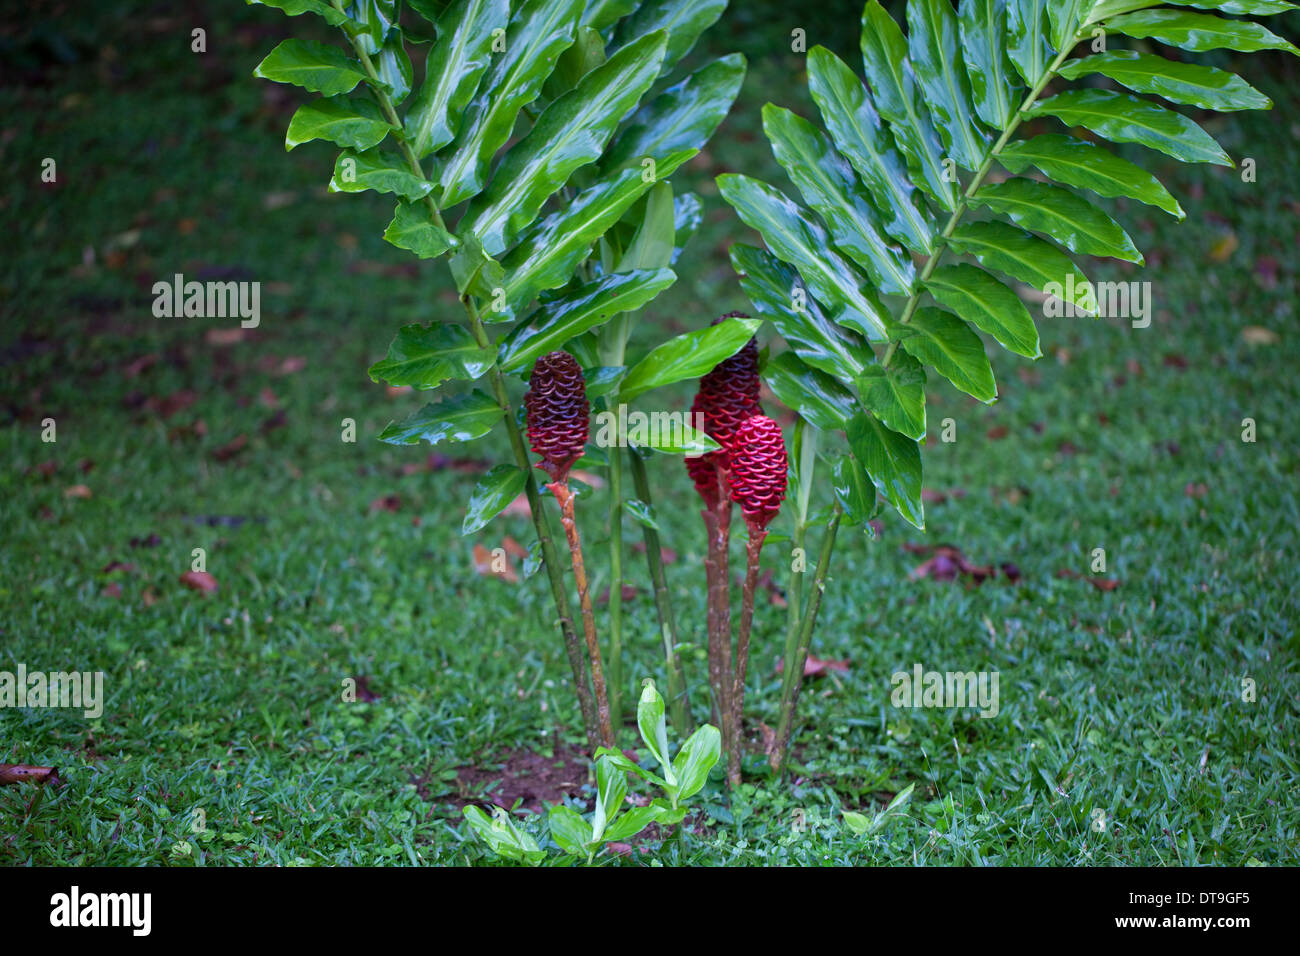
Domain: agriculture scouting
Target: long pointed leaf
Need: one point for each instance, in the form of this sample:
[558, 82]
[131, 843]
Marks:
[1190, 83]
[893, 462]
[994, 85]
[1069, 219]
[934, 43]
[987, 304]
[947, 344]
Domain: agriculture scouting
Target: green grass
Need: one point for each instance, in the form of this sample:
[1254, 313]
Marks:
[1127, 701]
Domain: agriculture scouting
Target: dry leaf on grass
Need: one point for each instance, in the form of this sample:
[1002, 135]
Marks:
[199, 581]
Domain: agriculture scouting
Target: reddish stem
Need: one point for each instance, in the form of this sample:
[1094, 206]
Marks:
[753, 550]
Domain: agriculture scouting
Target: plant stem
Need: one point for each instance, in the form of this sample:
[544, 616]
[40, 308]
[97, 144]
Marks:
[678, 704]
[565, 497]
[805, 445]
[550, 557]
[753, 553]
[786, 725]
[616, 581]
[720, 608]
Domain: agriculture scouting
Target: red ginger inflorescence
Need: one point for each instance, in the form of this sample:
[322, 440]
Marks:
[728, 396]
[758, 470]
[557, 407]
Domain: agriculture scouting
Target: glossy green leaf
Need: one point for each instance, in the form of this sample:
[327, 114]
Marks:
[654, 728]
[603, 13]
[797, 238]
[652, 245]
[413, 228]
[456, 419]
[688, 213]
[536, 37]
[620, 760]
[494, 491]
[668, 433]
[1077, 162]
[853, 490]
[611, 791]
[637, 819]
[561, 319]
[394, 68]
[683, 117]
[995, 87]
[1190, 83]
[1064, 20]
[570, 832]
[502, 836]
[949, 346]
[455, 65]
[896, 395]
[934, 45]
[474, 271]
[1199, 31]
[1069, 219]
[642, 513]
[371, 22]
[693, 762]
[1104, 9]
[978, 298]
[897, 98]
[292, 8]
[822, 399]
[1022, 255]
[893, 462]
[829, 185]
[689, 355]
[379, 170]
[682, 20]
[426, 356]
[777, 292]
[1027, 41]
[1124, 118]
[314, 66]
[352, 123]
[586, 53]
[858, 132]
[570, 133]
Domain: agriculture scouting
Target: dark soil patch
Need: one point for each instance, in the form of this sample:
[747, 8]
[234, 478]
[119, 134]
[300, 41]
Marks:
[523, 775]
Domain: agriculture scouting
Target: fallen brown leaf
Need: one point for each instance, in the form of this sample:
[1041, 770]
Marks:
[484, 561]
[23, 773]
[231, 448]
[199, 581]
[77, 491]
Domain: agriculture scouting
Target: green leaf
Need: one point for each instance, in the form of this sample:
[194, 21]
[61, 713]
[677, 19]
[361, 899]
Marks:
[893, 86]
[893, 462]
[947, 344]
[1077, 162]
[587, 53]
[394, 68]
[683, 117]
[1063, 18]
[292, 8]
[897, 807]
[795, 237]
[688, 213]
[829, 185]
[654, 729]
[1123, 118]
[313, 66]
[638, 818]
[775, 290]
[425, 357]
[694, 761]
[548, 253]
[457, 419]
[603, 13]
[853, 490]
[1069, 219]
[994, 85]
[1022, 256]
[494, 491]
[352, 123]
[370, 22]
[896, 395]
[379, 170]
[682, 20]
[564, 318]
[668, 433]
[825, 401]
[452, 72]
[856, 822]
[857, 130]
[652, 246]
[1202, 86]
[689, 355]
[570, 133]
[935, 46]
[642, 513]
[570, 832]
[502, 836]
[474, 271]
[536, 37]
[1199, 32]
[984, 302]
[413, 228]
[1027, 38]
[611, 791]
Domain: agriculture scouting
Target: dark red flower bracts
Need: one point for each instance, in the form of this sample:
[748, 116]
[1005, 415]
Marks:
[728, 395]
[558, 413]
[758, 470]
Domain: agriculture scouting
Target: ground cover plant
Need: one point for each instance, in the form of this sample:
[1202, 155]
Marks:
[225, 738]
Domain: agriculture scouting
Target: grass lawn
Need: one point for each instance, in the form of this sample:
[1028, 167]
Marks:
[1125, 734]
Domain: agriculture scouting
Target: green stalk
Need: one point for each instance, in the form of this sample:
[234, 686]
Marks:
[805, 448]
[786, 726]
[678, 705]
[550, 556]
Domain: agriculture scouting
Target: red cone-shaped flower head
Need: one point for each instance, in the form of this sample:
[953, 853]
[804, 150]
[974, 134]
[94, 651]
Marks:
[556, 402]
[728, 395]
[758, 470]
